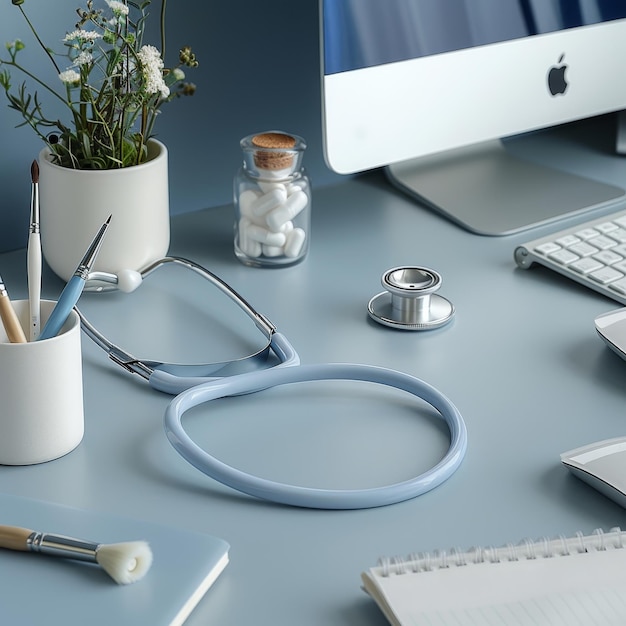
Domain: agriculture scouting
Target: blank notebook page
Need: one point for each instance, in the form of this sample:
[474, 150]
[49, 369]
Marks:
[586, 588]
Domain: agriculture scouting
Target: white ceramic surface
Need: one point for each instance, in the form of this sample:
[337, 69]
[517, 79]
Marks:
[75, 203]
[41, 392]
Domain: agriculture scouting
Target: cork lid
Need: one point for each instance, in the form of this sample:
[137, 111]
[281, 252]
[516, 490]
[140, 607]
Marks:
[271, 154]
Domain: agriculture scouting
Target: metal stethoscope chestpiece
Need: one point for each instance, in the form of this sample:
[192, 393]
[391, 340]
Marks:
[410, 301]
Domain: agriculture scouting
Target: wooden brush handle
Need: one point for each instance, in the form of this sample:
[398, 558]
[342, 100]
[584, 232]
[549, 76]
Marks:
[14, 538]
[12, 326]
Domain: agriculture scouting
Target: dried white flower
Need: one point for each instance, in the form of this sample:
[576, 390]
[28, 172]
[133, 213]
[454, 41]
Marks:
[82, 35]
[70, 77]
[84, 58]
[119, 8]
[152, 70]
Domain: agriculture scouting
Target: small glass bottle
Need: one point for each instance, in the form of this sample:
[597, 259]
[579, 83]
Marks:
[272, 195]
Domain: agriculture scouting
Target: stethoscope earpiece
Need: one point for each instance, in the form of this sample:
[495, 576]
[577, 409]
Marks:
[409, 302]
[124, 280]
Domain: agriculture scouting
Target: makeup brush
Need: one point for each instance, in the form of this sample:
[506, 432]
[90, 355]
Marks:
[34, 255]
[125, 562]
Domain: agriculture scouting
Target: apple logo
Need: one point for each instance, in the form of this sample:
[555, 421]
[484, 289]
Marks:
[556, 78]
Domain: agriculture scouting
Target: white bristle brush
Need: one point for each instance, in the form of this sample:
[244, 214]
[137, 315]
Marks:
[124, 562]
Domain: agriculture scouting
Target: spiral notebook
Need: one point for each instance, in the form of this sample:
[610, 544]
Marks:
[558, 582]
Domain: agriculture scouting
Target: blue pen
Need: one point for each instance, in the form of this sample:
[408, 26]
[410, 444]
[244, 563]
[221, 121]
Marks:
[70, 294]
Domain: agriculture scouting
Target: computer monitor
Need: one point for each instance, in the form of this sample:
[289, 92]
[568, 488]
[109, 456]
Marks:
[429, 88]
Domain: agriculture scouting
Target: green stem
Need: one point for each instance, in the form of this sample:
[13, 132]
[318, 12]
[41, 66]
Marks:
[17, 66]
[32, 28]
[163, 7]
[142, 132]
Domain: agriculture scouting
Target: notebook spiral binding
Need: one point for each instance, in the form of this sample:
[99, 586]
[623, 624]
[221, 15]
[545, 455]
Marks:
[599, 540]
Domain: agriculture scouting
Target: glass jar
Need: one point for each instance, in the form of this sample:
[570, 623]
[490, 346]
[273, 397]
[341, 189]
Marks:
[272, 197]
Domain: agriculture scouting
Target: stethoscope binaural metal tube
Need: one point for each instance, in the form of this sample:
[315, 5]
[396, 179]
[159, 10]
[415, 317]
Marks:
[173, 377]
[114, 280]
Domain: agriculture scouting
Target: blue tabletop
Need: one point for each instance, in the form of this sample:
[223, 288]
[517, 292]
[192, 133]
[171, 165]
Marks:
[520, 360]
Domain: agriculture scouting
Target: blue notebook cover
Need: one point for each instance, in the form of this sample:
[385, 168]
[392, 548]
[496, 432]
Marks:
[40, 589]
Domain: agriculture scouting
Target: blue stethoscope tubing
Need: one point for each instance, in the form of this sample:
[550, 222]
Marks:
[167, 379]
[196, 384]
[308, 497]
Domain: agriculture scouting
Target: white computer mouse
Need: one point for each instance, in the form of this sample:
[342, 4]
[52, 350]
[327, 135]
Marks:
[602, 465]
[611, 327]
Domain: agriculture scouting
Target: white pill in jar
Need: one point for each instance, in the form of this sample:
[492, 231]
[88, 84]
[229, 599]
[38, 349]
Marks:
[295, 242]
[246, 199]
[268, 201]
[287, 211]
[265, 236]
[247, 245]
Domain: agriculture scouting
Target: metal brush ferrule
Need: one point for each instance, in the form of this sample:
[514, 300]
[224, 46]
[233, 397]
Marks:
[66, 547]
[82, 271]
[34, 210]
[84, 267]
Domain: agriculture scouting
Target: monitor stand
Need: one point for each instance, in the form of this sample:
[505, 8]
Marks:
[488, 191]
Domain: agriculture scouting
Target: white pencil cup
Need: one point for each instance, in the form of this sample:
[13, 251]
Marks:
[41, 392]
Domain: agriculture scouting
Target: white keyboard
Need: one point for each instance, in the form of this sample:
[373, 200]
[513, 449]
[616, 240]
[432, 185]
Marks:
[593, 254]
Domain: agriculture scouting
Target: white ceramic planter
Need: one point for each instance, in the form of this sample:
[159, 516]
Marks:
[75, 203]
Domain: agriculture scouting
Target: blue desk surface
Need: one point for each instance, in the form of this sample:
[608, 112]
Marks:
[521, 361]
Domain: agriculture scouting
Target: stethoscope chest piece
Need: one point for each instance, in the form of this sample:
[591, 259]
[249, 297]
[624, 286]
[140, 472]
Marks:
[410, 301]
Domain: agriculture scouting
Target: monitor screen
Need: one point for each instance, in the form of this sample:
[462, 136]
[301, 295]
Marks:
[407, 81]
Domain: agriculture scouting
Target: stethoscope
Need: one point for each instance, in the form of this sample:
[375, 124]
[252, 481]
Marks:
[197, 384]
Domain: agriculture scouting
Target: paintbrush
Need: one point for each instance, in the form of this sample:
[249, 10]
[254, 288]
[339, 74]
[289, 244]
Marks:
[12, 326]
[125, 562]
[74, 288]
[34, 255]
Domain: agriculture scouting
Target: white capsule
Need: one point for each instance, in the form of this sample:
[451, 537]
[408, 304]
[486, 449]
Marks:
[295, 242]
[246, 200]
[248, 246]
[265, 236]
[280, 215]
[272, 251]
[297, 185]
[268, 201]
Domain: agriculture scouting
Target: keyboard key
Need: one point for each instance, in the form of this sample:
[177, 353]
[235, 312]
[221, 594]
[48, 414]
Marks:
[606, 275]
[587, 233]
[569, 240]
[608, 257]
[547, 248]
[604, 243]
[619, 286]
[583, 249]
[564, 256]
[606, 227]
[586, 265]
[618, 235]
